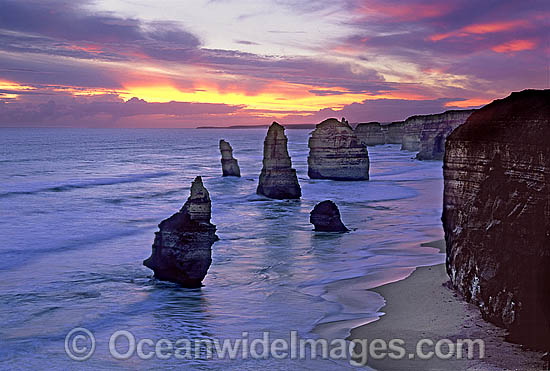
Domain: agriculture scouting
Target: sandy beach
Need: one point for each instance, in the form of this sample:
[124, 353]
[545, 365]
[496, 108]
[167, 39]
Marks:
[422, 307]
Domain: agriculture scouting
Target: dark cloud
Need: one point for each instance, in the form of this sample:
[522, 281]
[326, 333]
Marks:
[65, 28]
[246, 42]
[106, 111]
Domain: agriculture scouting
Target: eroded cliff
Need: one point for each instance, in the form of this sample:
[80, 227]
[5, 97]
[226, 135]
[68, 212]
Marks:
[496, 213]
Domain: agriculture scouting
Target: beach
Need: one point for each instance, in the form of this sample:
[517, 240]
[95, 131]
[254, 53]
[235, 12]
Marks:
[423, 307]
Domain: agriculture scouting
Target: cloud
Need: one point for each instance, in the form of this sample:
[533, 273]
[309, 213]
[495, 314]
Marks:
[65, 28]
[107, 111]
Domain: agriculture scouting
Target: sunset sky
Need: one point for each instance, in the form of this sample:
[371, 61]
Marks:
[187, 63]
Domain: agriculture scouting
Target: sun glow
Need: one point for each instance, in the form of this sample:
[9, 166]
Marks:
[277, 96]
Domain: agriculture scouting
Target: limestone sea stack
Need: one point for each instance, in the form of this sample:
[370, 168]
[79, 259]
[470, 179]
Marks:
[336, 153]
[230, 165]
[325, 216]
[278, 179]
[182, 250]
[496, 213]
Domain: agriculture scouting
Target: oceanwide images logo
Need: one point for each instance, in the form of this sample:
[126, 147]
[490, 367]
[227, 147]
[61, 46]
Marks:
[80, 345]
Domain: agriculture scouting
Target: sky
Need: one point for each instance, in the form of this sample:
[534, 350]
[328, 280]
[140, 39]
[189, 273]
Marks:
[188, 63]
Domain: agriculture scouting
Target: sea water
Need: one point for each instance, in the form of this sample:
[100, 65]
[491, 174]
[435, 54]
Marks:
[78, 212]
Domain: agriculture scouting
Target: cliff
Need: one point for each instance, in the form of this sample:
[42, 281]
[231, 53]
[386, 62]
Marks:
[432, 126]
[230, 166]
[435, 132]
[336, 153]
[496, 213]
[394, 132]
[182, 250]
[278, 179]
[375, 133]
[370, 133]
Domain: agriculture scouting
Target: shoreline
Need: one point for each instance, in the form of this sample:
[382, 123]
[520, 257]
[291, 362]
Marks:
[421, 306]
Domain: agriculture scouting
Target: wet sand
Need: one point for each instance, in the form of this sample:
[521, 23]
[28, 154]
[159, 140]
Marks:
[422, 307]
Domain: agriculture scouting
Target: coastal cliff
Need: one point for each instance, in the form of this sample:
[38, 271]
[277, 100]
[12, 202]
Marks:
[230, 165]
[278, 179]
[496, 213]
[375, 133]
[182, 250]
[435, 132]
[427, 133]
[336, 153]
[370, 133]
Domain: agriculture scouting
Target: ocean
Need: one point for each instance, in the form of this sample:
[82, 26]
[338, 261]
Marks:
[78, 212]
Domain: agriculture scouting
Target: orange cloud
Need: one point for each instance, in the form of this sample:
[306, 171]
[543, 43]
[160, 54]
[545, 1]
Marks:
[405, 12]
[479, 29]
[274, 96]
[474, 102]
[14, 88]
[514, 46]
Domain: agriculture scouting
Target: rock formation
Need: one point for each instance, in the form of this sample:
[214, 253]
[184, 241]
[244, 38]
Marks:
[496, 213]
[370, 133]
[415, 125]
[230, 166]
[435, 132]
[394, 132]
[278, 179]
[336, 153]
[325, 216]
[375, 133]
[182, 248]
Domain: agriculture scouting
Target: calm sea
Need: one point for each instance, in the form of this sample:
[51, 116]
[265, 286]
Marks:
[78, 212]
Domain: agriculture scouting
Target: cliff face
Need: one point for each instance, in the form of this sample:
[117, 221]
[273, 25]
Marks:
[182, 250]
[434, 126]
[496, 213]
[370, 133]
[278, 179]
[230, 166]
[375, 133]
[435, 132]
[394, 132]
[336, 153]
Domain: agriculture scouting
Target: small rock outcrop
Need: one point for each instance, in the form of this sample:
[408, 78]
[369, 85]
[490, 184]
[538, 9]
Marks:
[278, 179]
[496, 213]
[336, 153]
[230, 166]
[435, 132]
[182, 250]
[325, 216]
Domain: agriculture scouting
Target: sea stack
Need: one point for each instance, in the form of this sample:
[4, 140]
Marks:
[278, 179]
[182, 250]
[336, 153]
[230, 166]
[496, 213]
[325, 216]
